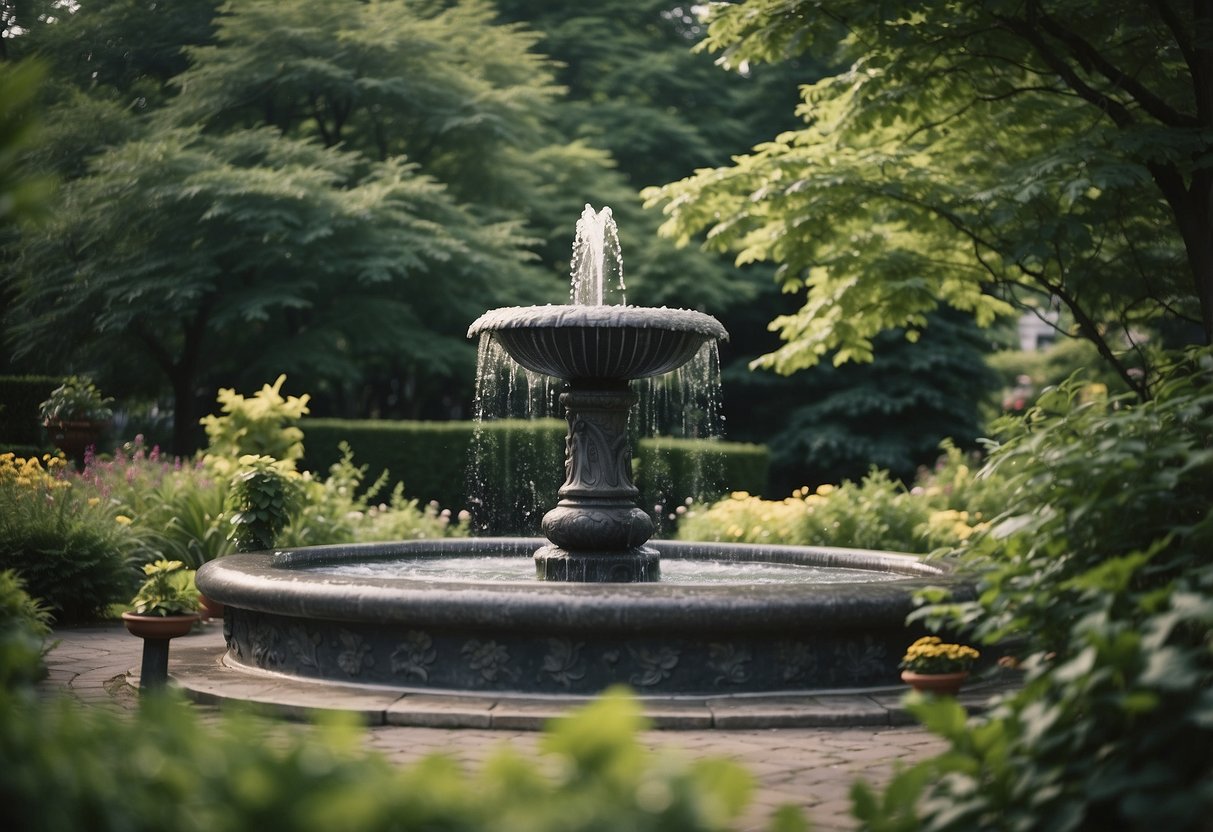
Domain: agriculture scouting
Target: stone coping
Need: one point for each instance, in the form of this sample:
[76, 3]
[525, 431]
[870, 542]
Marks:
[204, 677]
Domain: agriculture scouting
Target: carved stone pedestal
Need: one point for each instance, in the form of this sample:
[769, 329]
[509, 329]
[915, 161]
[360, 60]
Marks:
[596, 530]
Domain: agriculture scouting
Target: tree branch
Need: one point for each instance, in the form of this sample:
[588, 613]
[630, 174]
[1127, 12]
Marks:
[1089, 58]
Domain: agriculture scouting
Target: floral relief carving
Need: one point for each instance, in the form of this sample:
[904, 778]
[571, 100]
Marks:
[263, 640]
[304, 645]
[489, 659]
[414, 656]
[655, 665]
[799, 662]
[864, 662]
[563, 661]
[354, 654]
[729, 660]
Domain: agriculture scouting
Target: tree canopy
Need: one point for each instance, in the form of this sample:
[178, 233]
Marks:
[983, 156]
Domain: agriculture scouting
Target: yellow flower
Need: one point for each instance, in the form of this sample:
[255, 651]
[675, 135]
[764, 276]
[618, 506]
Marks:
[825, 489]
[92, 501]
[122, 520]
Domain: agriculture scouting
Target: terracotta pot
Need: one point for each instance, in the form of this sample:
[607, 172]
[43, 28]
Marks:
[940, 684]
[211, 608]
[74, 437]
[159, 626]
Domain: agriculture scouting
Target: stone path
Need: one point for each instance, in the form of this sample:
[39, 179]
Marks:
[810, 767]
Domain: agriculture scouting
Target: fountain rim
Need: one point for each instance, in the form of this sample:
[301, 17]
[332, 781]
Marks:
[266, 582]
[569, 316]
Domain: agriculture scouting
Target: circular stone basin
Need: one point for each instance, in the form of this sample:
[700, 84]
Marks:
[599, 342]
[293, 612]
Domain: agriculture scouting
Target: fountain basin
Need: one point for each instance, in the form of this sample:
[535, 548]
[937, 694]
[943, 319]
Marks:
[536, 638]
[599, 342]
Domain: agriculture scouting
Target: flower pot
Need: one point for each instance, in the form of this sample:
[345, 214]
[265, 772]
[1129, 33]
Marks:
[159, 626]
[211, 608]
[74, 437]
[940, 684]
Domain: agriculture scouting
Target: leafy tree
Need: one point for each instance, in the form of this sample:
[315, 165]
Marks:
[311, 192]
[980, 156]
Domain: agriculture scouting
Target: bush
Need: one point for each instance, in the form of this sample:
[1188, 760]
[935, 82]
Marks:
[944, 507]
[65, 545]
[24, 625]
[1100, 568]
[261, 425]
[168, 770]
[21, 398]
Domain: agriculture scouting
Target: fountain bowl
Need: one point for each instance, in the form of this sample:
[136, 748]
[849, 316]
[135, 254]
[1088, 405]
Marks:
[599, 342]
[286, 615]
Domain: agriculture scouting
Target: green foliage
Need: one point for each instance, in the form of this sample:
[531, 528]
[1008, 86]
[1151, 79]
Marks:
[260, 425]
[167, 768]
[66, 546]
[175, 507]
[1099, 569]
[168, 590]
[342, 508]
[77, 399]
[973, 156]
[260, 499]
[20, 398]
[24, 626]
[891, 413]
[944, 507]
[23, 193]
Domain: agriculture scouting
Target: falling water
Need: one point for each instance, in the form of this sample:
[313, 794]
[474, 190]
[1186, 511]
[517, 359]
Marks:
[683, 404]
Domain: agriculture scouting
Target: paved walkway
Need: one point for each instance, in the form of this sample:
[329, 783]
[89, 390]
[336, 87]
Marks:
[810, 767]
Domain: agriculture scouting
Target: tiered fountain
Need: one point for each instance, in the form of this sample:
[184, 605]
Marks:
[393, 615]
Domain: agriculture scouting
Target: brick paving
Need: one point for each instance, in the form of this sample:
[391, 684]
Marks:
[809, 767]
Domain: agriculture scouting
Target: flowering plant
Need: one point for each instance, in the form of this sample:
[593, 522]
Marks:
[76, 400]
[931, 655]
[168, 590]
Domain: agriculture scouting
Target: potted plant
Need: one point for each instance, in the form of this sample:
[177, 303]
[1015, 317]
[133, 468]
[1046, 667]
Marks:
[166, 605]
[75, 415]
[932, 666]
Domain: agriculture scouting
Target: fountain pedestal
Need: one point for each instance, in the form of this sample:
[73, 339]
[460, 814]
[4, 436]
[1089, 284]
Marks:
[597, 532]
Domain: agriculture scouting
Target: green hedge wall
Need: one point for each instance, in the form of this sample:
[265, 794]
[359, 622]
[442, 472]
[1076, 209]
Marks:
[668, 471]
[20, 397]
[433, 460]
[521, 464]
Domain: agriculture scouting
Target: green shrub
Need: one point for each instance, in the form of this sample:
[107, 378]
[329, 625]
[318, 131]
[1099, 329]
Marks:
[20, 399]
[944, 507]
[261, 498]
[261, 425]
[24, 626]
[166, 769]
[1100, 569]
[66, 546]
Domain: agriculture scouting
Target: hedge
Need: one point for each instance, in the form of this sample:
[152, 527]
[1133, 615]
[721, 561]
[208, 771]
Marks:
[20, 398]
[668, 471]
[521, 464]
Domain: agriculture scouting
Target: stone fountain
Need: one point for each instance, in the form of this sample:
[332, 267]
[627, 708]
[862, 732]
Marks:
[603, 613]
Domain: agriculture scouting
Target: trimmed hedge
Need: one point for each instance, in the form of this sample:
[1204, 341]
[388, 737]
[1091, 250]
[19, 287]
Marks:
[522, 460]
[521, 465]
[668, 471]
[20, 397]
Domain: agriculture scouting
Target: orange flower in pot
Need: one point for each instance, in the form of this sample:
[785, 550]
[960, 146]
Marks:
[931, 665]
